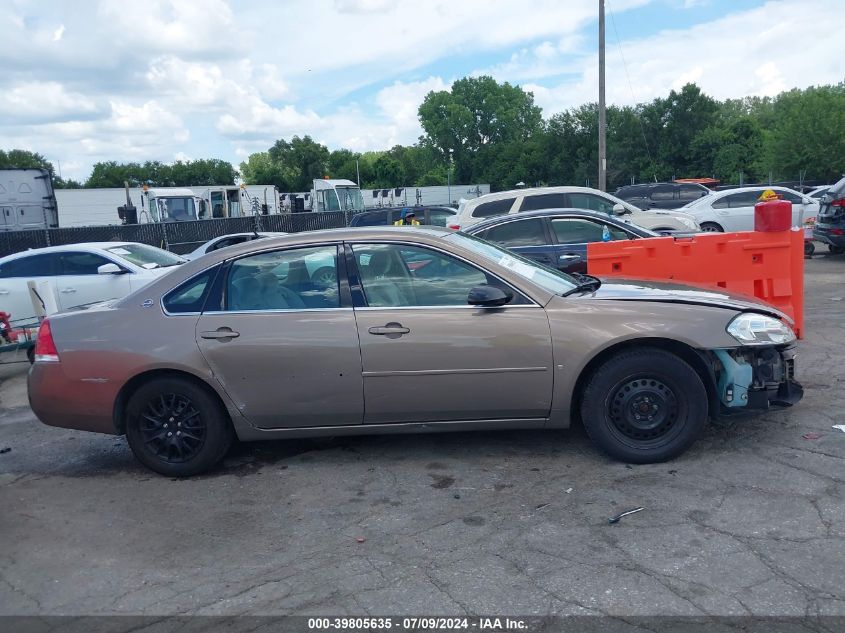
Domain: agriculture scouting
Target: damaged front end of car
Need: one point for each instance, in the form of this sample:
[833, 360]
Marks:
[758, 374]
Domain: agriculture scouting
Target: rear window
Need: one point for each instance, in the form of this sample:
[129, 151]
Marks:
[495, 207]
[190, 297]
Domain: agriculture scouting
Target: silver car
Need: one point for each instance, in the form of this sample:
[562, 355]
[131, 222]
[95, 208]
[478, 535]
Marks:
[416, 330]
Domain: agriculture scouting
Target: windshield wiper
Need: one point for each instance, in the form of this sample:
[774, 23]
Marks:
[585, 282]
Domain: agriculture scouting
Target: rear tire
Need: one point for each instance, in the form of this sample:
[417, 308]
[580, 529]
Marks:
[711, 227]
[836, 250]
[176, 427]
[644, 406]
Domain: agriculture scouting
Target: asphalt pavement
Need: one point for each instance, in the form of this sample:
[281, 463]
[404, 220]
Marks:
[750, 521]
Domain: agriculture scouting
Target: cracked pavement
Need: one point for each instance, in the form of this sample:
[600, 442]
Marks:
[750, 521]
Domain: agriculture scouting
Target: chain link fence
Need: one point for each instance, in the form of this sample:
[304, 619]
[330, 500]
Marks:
[178, 237]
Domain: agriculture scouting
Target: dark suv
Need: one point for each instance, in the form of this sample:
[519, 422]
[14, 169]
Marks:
[436, 216]
[830, 223]
[661, 195]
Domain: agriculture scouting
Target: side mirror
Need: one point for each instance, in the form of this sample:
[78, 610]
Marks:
[807, 201]
[619, 209]
[488, 296]
[110, 269]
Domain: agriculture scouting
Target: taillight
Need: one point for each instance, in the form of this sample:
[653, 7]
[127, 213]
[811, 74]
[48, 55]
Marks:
[838, 203]
[455, 227]
[45, 347]
[837, 231]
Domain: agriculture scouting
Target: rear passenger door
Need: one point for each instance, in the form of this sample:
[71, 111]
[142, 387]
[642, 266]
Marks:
[283, 345]
[528, 237]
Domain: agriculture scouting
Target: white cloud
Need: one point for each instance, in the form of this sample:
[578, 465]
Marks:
[41, 102]
[761, 51]
[110, 79]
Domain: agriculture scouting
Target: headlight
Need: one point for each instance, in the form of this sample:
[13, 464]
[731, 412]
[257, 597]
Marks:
[758, 329]
[689, 223]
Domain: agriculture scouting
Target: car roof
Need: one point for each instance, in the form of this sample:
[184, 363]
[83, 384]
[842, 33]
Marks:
[533, 191]
[541, 213]
[67, 247]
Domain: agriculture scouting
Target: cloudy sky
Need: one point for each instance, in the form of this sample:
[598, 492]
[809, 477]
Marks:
[93, 80]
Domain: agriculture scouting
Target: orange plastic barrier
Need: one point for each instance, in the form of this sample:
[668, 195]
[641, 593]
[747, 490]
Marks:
[768, 266]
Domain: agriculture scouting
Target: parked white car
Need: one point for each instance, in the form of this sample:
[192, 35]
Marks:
[733, 209]
[818, 192]
[227, 240]
[533, 199]
[79, 274]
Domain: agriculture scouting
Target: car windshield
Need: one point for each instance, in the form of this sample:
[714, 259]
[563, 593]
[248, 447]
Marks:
[549, 279]
[145, 256]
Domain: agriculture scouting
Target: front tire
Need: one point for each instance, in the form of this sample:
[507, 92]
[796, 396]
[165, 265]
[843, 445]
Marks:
[644, 406]
[176, 427]
[711, 227]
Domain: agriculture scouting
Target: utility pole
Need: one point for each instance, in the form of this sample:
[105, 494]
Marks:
[602, 113]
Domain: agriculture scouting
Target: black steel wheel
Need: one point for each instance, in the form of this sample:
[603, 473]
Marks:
[176, 427]
[645, 405]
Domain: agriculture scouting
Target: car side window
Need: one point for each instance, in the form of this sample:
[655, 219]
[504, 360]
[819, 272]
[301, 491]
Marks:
[581, 231]
[398, 275]
[743, 199]
[494, 207]
[229, 241]
[291, 279]
[663, 192]
[688, 193]
[527, 232]
[590, 201]
[81, 263]
[544, 201]
[375, 218]
[791, 197]
[439, 217]
[44, 265]
[190, 297]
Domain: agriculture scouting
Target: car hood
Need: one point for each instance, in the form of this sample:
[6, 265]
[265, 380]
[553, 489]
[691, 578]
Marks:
[617, 289]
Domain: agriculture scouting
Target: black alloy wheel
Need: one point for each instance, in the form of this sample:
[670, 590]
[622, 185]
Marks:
[177, 426]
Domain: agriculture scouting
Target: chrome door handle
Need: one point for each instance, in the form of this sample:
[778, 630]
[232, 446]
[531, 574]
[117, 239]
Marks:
[68, 290]
[4, 292]
[569, 258]
[220, 333]
[391, 330]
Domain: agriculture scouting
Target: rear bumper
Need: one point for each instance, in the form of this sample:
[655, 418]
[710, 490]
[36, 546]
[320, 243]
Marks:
[57, 400]
[822, 234]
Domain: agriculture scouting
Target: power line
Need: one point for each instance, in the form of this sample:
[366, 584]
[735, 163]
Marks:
[628, 77]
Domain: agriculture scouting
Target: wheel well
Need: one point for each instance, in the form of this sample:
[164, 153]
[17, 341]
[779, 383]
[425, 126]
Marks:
[691, 356]
[721, 228]
[134, 383]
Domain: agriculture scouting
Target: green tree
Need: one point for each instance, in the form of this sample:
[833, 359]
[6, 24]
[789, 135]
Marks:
[808, 133]
[304, 158]
[477, 112]
[389, 171]
[21, 158]
[260, 169]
